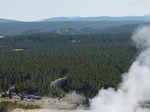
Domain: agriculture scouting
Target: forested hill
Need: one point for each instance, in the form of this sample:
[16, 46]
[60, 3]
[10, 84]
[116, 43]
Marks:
[70, 27]
[31, 62]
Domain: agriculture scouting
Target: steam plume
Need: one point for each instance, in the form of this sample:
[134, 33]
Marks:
[134, 90]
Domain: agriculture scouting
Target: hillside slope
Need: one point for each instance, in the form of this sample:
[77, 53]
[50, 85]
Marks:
[67, 27]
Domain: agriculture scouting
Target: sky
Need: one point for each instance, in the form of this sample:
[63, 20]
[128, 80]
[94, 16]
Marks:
[30, 10]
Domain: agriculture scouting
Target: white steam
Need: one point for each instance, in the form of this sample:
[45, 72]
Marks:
[134, 90]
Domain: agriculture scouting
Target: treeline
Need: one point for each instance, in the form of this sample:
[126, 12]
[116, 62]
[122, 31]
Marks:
[89, 61]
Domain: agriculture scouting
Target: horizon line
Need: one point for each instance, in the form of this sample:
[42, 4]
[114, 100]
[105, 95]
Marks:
[69, 17]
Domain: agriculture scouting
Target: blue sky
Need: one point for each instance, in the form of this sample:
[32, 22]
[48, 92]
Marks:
[30, 10]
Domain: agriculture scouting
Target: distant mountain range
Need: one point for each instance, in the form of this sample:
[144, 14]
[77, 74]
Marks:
[74, 25]
[7, 20]
[102, 18]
